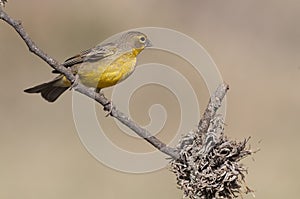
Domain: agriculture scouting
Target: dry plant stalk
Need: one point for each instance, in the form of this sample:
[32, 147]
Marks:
[209, 165]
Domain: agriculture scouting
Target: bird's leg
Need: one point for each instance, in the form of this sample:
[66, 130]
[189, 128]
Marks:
[109, 103]
[109, 110]
[74, 82]
[98, 90]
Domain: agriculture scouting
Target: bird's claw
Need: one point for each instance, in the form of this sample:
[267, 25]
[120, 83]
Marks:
[108, 107]
[74, 82]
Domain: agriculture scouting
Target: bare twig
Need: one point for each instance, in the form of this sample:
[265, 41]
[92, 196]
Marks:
[127, 121]
[17, 25]
[212, 107]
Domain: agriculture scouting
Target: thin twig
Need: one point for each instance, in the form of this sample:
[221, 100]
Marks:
[17, 25]
[212, 107]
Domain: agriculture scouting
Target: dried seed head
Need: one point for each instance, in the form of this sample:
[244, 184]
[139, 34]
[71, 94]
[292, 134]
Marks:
[209, 166]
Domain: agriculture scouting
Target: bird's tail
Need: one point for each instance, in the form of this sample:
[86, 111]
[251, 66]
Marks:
[50, 91]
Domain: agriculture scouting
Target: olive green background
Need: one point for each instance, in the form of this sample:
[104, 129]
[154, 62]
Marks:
[255, 45]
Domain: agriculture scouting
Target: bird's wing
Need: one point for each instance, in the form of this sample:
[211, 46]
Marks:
[91, 55]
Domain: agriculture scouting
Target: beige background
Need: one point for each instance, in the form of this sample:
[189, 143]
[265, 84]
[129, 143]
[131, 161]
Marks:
[254, 43]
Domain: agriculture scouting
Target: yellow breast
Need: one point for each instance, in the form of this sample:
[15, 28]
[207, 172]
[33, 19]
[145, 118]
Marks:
[108, 71]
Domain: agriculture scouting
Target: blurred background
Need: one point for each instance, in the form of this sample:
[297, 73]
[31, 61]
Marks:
[255, 45]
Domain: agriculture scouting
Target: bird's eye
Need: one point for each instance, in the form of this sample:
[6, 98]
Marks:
[142, 39]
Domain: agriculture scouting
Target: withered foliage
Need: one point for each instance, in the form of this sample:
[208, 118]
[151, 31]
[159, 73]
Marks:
[209, 165]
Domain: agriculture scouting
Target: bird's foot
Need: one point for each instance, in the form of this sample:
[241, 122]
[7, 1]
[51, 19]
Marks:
[108, 107]
[74, 82]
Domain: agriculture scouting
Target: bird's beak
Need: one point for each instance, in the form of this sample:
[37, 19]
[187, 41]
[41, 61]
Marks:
[148, 43]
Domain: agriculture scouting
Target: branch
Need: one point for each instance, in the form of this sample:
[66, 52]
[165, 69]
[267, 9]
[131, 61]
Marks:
[123, 118]
[212, 107]
[17, 25]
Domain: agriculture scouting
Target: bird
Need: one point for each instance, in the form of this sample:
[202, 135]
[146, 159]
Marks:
[99, 67]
